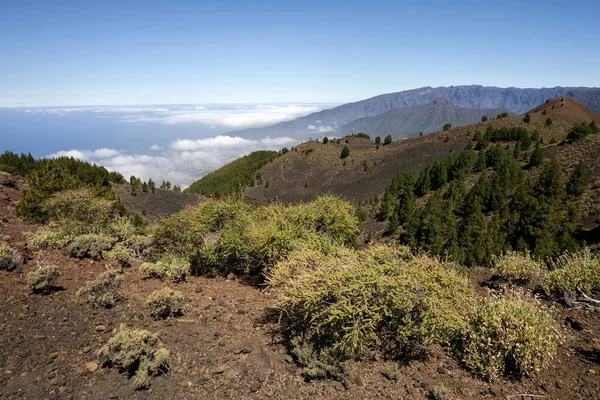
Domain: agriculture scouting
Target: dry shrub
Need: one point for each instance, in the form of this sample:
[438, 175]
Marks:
[9, 257]
[226, 236]
[118, 253]
[169, 267]
[80, 211]
[517, 267]
[42, 279]
[91, 246]
[138, 352]
[572, 271]
[46, 239]
[511, 337]
[354, 300]
[104, 291]
[165, 303]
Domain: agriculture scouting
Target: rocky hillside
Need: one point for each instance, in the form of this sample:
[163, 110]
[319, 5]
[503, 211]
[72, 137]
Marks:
[313, 167]
[516, 100]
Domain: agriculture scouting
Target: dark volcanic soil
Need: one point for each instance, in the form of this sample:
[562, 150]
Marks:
[221, 348]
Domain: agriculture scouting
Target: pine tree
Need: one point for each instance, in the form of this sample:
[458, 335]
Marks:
[388, 140]
[579, 180]
[378, 140]
[345, 152]
[537, 156]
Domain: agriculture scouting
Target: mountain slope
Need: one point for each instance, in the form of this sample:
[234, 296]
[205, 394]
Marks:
[233, 176]
[406, 122]
[515, 100]
[313, 168]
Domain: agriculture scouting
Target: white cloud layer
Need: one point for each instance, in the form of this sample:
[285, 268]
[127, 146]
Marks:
[225, 116]
[183, 162]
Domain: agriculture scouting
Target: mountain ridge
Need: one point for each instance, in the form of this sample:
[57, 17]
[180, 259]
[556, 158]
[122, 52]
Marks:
[430, 117]
[516, 100]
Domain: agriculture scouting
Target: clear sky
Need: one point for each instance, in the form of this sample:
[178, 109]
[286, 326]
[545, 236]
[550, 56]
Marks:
[158, 52]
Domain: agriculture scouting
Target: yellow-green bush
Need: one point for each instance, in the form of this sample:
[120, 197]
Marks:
[349, 301]
[165, 303]
[137, 352]
[336, 218]
[225, 236]
[572, 271]
[118, 253]
[183, 233]
[91, 245]
[41, 280]
[169, 267]
[517, 267]
[510, 337]
[142, 246]
[103, 291]
[9, 257]
[46, 239]
[80, 211]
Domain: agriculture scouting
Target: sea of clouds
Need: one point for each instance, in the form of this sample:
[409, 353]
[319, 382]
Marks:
[178, 143]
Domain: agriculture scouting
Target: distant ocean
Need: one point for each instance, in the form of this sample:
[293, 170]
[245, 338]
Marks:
[176, 142]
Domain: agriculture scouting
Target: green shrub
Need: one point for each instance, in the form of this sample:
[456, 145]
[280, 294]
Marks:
[9, 257]
[122, 228]
[46, 239]
[316, 363]
[165, 303]
[336, 218]
[572, 271]
[510, 337]
[103, 291]
[137, 352]
[353, 300]
[41, 280]
[169, 267]
[91, 245]
[80, 211]
[183, 232]
[517, 267]
[118, 253]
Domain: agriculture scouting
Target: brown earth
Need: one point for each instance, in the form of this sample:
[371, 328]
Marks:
[314, 168]
[159, 204]
[223, 347]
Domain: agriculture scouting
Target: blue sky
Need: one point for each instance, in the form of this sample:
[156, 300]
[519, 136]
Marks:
[174, 52]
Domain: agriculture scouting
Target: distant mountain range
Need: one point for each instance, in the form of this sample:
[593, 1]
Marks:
[475, 97]
[407, 122]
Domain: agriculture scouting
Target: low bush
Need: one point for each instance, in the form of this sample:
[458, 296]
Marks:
[104, 291]
[41, 280]
[220, 237]
[517, 267]
[165, 303]
[138, 352]
[316, 363]
[169, 267]
[91, 245]
[118, 253]
[81, 211]
[9, 257]
[355, 300]
[142, 246]
[510, 337]
[572, 271]
[46, 239]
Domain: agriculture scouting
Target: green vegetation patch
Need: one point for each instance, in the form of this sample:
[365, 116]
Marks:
[234, 176]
